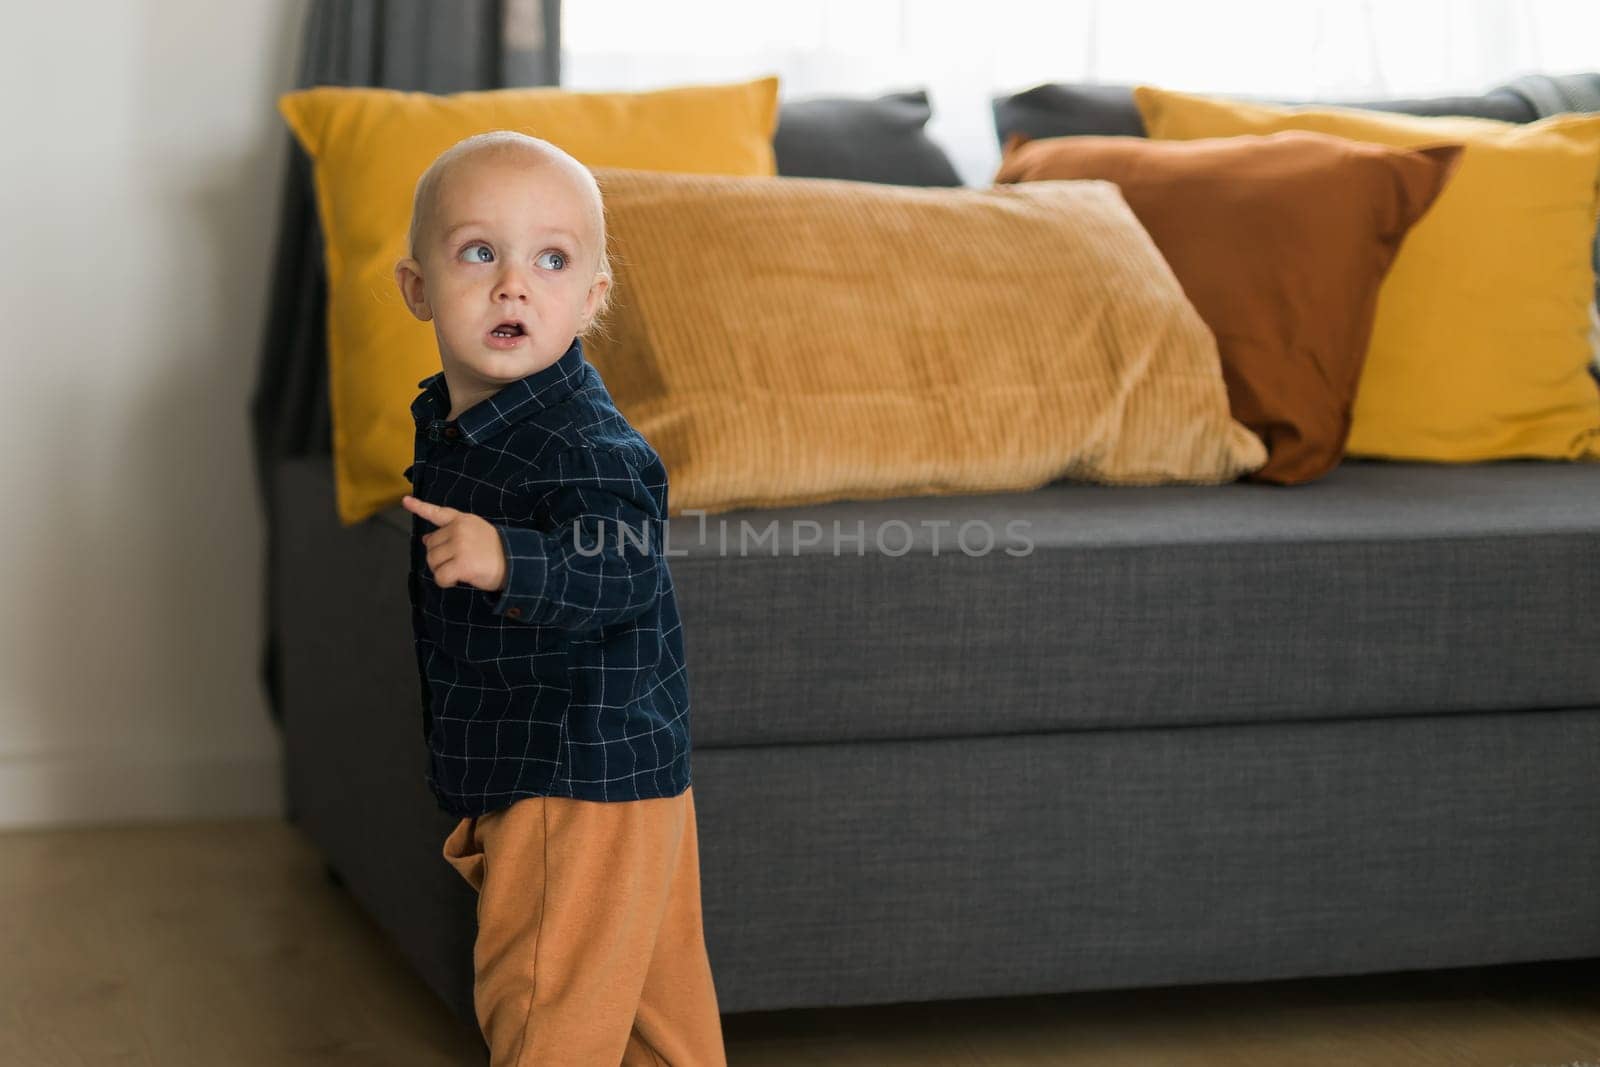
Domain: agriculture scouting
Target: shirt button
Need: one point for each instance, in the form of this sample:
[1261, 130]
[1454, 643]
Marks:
[513, 613]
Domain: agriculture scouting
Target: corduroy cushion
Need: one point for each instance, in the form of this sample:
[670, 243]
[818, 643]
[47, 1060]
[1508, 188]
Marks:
[792, 340]
[1281, 242]
[369, 147]
[1480, 348]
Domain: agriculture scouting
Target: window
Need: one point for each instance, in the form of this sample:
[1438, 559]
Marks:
[965, 52]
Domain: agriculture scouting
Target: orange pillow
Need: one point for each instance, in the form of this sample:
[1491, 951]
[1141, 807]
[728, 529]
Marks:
[1281, 242]
[793, 340]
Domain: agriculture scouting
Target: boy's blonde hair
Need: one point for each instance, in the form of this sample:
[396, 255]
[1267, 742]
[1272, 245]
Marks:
[511, 143]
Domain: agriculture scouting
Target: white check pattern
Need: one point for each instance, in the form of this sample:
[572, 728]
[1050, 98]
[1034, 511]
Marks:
[572, 681]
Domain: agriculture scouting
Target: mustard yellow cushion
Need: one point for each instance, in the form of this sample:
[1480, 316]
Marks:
[792, 340]
[1480, 345]
[369, 146]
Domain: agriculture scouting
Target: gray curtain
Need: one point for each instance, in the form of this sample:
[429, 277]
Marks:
[395, 44]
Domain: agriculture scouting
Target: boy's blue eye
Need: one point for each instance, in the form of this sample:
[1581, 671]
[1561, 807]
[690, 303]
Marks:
[559, 258]
[477, 253]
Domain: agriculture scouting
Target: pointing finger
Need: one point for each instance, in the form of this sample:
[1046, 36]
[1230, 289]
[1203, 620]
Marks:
[435, 514]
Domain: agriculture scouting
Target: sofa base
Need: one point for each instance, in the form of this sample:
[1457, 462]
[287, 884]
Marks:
[925, 870]
[935, 869]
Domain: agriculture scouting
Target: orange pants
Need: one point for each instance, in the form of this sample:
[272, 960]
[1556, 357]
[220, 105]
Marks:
[589, 950]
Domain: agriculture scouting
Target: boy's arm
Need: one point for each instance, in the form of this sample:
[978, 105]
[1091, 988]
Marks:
[599, 560]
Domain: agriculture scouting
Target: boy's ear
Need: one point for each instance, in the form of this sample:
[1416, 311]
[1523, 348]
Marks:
[597, 290]
[408, 276]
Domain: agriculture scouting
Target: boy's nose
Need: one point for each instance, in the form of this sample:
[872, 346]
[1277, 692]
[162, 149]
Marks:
[512, 286]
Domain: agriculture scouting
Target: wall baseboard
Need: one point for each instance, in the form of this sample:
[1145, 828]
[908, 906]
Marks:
[90, 788]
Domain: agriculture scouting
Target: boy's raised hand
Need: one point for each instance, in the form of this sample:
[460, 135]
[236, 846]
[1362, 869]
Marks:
[464, 548]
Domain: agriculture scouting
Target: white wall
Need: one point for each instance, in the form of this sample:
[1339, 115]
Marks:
[142, 162]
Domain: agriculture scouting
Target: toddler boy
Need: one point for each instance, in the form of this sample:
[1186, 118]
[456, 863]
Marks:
[554, 686]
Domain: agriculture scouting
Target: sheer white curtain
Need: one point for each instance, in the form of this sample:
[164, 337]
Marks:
[964, 51]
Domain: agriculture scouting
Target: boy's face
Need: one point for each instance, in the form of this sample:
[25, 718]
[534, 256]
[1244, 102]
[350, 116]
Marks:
[505, 269]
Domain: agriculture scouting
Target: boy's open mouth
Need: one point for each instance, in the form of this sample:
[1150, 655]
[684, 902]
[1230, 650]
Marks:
[508, 329]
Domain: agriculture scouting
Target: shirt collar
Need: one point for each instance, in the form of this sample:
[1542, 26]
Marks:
[522, 398]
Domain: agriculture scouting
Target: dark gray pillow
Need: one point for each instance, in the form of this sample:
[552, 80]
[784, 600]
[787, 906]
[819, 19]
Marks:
[1060, 110]
[861, 139]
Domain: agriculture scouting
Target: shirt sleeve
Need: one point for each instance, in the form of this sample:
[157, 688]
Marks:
[594, 557]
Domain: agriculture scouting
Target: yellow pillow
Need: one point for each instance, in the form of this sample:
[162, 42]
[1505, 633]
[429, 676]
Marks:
[1480, 347]
[369, 146]
[793, 340]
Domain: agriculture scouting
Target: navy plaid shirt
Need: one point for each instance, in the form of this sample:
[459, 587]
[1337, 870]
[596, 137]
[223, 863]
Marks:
[572, 682]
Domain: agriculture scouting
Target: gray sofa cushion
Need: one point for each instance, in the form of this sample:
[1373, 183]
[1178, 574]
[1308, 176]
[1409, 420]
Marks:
[862, 139]
[1382, 589]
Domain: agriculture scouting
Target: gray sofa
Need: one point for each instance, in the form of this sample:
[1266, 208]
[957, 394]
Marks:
[1195, 734]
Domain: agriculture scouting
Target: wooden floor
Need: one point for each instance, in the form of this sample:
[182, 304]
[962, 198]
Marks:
[225, 945]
